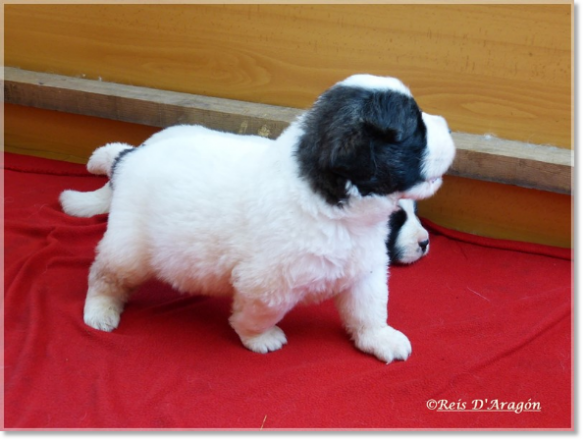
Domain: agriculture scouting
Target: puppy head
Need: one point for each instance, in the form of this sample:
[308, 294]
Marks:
[368, 133]
[408, 240]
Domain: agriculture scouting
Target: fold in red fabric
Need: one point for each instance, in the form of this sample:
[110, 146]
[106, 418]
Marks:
[490, 323]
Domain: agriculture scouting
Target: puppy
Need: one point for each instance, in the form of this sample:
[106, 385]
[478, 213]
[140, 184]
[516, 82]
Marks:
[408, 240]
[273, 223]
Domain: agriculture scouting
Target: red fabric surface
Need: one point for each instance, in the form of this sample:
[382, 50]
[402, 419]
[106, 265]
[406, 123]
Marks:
[488, 320]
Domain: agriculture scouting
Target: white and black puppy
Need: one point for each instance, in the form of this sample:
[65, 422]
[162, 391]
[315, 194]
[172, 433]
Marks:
[408, 240]
[270, 222]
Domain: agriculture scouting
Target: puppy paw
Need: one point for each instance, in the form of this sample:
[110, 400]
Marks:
[102, 313]
[386, 343]
[271, 340]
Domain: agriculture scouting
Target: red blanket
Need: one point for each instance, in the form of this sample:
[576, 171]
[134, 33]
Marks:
[490, 323]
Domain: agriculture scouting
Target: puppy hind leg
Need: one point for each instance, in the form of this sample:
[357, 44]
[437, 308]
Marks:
[110, 284]
[255, 323]
[106, 295]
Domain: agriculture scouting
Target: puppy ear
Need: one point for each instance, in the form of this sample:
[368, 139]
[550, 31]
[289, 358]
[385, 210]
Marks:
[352, 157]
[393, 116]
[333, 148]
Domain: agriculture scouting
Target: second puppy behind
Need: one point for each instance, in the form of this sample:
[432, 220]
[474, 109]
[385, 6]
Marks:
[408, 240]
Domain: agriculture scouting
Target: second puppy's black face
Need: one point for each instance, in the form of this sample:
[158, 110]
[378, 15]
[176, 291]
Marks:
[372, 139]
[408, 240]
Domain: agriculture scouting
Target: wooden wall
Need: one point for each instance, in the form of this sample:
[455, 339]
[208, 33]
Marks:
[503, 70]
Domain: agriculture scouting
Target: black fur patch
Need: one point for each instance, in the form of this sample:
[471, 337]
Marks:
[396, 221]
[374, 139]
[116, 162]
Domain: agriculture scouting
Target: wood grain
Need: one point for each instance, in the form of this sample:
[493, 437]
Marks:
[503, 70]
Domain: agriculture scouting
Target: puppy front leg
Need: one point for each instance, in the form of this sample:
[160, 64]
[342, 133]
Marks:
[255, 323]
[364, 311]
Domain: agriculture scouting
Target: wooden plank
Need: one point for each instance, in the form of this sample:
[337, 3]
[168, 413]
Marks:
[142, 105]
[478, 157]
[512, 162]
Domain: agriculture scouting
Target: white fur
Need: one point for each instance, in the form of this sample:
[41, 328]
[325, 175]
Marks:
[223, 214]
[373, 82]
[86, 204]
[440, 144]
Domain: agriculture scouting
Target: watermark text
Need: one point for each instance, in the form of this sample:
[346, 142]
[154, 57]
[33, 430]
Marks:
[483, 405]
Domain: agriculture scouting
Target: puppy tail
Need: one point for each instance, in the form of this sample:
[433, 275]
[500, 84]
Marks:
[101, 160]
[86, 204]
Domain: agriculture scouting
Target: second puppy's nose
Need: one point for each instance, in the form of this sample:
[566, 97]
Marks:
[423, 244]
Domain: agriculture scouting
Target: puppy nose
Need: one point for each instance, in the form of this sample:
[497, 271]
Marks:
[423, 244]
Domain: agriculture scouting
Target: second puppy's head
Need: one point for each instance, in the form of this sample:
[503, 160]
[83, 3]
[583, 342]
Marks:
[408, 240]
[367, 133]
